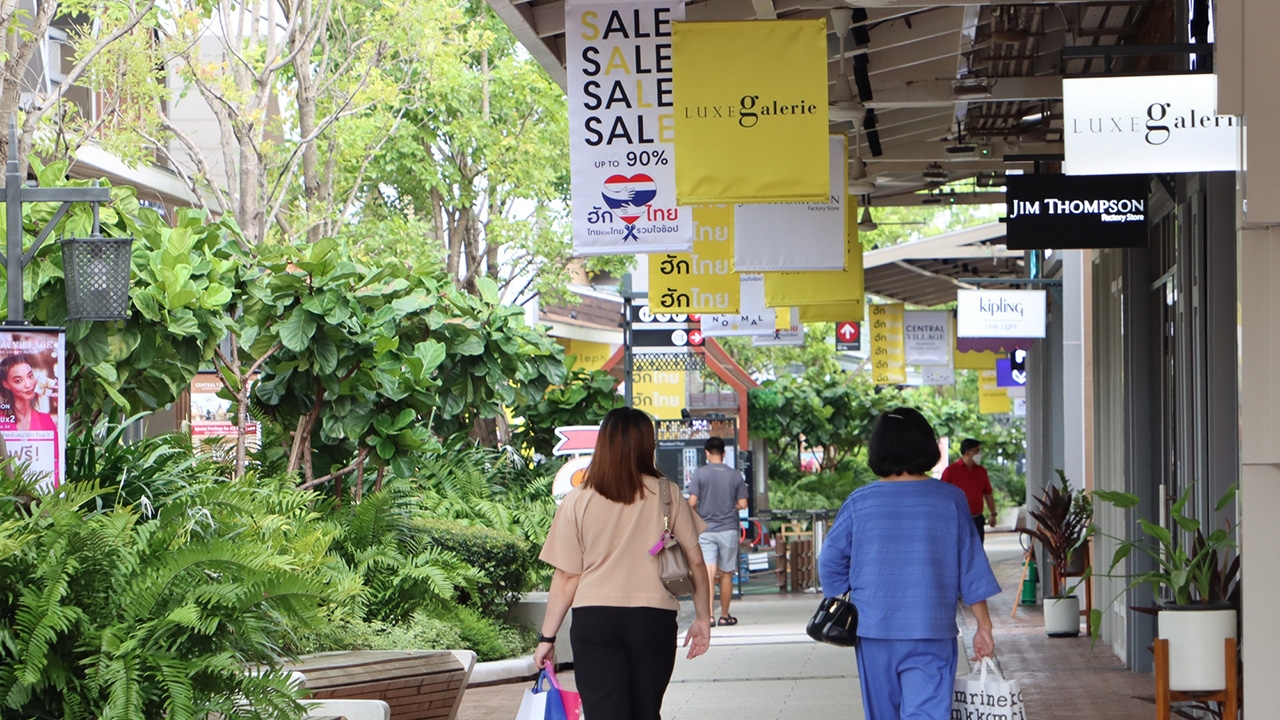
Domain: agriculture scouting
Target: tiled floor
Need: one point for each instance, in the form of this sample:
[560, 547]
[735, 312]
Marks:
[766, 668]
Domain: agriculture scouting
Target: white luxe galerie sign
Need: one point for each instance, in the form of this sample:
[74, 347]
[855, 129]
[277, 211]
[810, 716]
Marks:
[1000, 313]
[1147, 124]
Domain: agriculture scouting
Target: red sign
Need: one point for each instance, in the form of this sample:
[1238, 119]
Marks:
[848, 336]
[576, 439]
[695, 337]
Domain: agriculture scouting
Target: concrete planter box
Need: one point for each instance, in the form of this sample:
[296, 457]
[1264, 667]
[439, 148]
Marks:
[530, 611]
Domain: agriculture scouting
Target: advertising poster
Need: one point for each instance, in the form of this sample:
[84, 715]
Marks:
[621, 128]
[752, 318]
[33, 384]
[751, 111]
[212, 424]
[1000, 313]
[702, 281]
[927, 336]
[888, 357]
[1075, 212]
[825, 287]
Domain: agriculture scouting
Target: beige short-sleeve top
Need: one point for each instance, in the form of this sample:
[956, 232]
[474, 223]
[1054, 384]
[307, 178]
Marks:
[607, 544]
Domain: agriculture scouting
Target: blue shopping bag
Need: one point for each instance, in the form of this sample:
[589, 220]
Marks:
[546, 701]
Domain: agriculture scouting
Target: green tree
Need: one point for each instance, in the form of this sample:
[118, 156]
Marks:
[584, 398]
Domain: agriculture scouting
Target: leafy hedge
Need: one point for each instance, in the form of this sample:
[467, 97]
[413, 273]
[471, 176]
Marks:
[506, 562]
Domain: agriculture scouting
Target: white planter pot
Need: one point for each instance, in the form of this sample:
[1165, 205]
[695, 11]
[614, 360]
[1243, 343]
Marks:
[1197, 660]
[1062, 616]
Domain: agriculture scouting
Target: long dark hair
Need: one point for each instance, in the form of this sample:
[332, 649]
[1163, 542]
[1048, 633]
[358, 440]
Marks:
[6, 366]
[624, 455]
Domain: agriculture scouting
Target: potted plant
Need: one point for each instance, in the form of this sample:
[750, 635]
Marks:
[1198, 582]
[1063, 519]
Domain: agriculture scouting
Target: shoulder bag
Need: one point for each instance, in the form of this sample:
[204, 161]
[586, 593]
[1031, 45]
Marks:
[673, 565]
[835, 622]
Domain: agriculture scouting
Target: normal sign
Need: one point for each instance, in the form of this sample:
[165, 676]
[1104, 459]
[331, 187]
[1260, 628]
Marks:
[1000, 313]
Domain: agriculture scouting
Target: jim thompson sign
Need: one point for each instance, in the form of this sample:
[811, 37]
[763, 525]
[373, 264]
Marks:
[1062, 212]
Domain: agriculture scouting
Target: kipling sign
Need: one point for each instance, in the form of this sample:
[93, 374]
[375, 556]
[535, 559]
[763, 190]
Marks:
[1000, 313]
[621, 124]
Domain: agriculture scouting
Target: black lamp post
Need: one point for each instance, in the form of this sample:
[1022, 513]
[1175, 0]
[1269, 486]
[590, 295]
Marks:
[96, 268]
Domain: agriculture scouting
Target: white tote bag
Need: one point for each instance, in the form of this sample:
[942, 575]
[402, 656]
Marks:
[987, 695]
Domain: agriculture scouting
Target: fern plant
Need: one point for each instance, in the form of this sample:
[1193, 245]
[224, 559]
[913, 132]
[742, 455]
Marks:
[108, 614]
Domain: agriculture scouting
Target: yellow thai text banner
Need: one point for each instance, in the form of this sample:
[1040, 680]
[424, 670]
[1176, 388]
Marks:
[750, 111]
[888, 355]
[702, 281]
[992, 399]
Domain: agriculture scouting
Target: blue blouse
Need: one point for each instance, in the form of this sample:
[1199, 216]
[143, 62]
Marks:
[906, 552]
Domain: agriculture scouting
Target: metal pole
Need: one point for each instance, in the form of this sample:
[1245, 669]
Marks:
[13, 182]
[628, 359]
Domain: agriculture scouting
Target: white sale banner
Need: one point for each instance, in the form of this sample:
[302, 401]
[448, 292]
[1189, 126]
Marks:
[772, 237]
[621, 128]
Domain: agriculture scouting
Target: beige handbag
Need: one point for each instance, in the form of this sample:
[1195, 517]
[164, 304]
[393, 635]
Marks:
[673, 565]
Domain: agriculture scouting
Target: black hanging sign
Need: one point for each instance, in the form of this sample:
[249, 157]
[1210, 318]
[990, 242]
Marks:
[1076, 212]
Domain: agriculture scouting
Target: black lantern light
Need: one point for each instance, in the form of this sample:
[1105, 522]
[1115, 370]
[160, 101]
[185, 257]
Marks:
[97, 275]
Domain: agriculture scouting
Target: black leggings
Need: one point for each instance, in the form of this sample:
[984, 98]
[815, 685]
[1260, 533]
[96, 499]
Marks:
[622, 660]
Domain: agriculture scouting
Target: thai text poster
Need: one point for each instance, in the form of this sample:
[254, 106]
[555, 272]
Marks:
[33, 388]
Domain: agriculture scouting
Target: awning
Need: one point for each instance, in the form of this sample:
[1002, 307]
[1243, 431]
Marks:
[928, 271]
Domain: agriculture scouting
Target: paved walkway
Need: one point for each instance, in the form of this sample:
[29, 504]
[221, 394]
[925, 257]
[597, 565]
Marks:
[766, 668]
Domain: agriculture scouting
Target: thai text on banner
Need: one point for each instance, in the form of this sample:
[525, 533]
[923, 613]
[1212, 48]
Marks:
[702, 281]
[824, 287]
[752, 318]
[888, 358]
[621, 128]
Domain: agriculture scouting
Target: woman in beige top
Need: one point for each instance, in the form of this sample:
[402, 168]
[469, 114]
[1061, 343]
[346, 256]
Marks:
[624, 620]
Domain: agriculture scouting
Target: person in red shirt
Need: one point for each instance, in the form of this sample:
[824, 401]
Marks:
[968, 474]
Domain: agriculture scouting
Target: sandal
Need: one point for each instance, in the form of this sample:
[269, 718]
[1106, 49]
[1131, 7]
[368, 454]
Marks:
[727, 620]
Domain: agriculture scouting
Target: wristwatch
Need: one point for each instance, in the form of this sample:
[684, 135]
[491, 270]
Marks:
[545, 639]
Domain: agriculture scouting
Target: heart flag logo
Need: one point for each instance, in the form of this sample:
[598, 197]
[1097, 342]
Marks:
[629, 196]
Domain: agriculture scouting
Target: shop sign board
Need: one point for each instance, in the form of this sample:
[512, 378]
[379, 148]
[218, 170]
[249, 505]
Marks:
[1147, 124]
[1000, 313]
[1064, 212]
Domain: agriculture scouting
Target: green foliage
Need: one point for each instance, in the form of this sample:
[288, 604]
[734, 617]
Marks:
[183, 276]
[504, 560]
[584, 398]
[107, 613]
[1200, 572]
[419, 632]
[1062, 525]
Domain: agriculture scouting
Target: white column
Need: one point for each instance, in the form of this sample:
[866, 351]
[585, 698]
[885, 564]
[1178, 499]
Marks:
[1075, 364]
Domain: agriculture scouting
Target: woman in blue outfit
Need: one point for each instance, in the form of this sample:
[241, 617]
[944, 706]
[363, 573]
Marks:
[906, 550]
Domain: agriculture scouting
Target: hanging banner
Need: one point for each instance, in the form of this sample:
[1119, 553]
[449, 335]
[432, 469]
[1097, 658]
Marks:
[1000, 313]
[796, 236]
[750, 111]
[586, 355]
[780, 338]
[702, 281]
[786, 318]
[926, 336]
[984, 360]
[1147, 124]
[752, 318]
[824, 287]
[621, 115]
[937, 375]
[838, 312]
[888, 357]
[33, 385]
[661, 394]
[992, 400]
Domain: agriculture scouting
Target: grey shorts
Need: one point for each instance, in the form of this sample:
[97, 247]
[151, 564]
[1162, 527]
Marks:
[720, 549]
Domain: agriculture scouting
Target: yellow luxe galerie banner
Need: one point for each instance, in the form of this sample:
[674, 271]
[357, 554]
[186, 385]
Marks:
[824, 287]
[702, 281]
[750, 111]
[888, 354]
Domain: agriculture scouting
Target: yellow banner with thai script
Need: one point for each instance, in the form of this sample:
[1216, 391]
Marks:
[661, 394]
[824, 287]
[888, 354]
[992, 399]
[984, 360]
[702, 281]
[750, 111]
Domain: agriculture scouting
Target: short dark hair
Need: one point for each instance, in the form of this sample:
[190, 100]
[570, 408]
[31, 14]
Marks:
[968, 444]
[903, 443]
[714, 445]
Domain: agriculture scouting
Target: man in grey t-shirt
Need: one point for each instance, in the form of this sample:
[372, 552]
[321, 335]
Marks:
[717, 492]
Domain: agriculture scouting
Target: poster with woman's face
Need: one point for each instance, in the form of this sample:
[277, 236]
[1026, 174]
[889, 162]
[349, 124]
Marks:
[32, 388]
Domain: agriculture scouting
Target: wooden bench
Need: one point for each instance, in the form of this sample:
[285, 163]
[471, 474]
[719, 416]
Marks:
[418, 684]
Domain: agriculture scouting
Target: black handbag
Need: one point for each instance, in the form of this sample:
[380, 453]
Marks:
[835, 622]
